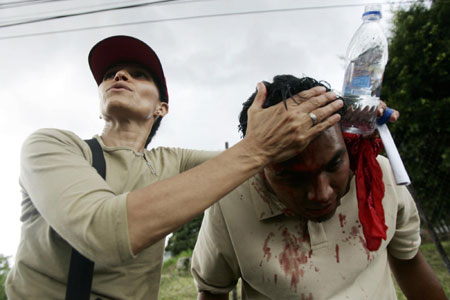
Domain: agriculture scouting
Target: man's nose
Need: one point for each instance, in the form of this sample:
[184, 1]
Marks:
[121, 75]
[320, 189]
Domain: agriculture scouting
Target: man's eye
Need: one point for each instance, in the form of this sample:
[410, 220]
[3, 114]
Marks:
[292, 179]
[334, 166]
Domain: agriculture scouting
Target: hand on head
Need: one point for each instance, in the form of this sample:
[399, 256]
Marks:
[284, 131]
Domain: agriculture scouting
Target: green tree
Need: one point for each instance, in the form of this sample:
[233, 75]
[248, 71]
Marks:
[417, 83]
[184, 238]
[4, 269]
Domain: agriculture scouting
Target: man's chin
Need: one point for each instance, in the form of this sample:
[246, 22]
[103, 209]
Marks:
[323, 217]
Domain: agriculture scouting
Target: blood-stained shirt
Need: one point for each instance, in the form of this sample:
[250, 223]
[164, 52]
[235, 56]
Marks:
[247, 236]
[65, 202]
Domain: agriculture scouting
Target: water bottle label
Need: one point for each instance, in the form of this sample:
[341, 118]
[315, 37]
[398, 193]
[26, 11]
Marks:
[361, 82]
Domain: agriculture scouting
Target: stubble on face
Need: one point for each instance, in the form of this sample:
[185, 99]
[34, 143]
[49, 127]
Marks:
[325, 158]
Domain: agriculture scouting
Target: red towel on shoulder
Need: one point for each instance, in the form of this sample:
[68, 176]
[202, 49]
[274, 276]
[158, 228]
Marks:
[369, 186]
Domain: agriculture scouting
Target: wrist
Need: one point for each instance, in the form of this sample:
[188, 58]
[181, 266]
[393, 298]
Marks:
[253, 153]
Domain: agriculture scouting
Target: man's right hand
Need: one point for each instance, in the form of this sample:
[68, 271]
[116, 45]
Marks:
[277, 134]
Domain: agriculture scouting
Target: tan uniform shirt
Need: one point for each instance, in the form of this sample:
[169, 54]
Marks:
[247, 236]
[64, 199]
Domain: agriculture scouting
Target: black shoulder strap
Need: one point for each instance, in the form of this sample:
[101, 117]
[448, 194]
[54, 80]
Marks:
[81, 269]
[98, 160]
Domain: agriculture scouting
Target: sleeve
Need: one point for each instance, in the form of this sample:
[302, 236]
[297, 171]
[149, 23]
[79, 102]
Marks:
[214, 264]
[193, 158]
[406, 240]
[57, 176]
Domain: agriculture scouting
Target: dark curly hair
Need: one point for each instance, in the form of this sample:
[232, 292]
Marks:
[282, 87]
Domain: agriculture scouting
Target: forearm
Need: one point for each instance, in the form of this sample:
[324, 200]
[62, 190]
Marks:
[273, 134]
[158, 209]
[416, 278]
[209, 296]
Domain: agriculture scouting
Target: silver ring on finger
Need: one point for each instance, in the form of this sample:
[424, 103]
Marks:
[313, 118]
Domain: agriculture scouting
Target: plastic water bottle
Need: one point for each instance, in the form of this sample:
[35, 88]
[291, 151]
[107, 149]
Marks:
[367, 55]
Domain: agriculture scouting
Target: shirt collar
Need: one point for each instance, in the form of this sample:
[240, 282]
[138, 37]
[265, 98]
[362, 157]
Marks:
[265, 203]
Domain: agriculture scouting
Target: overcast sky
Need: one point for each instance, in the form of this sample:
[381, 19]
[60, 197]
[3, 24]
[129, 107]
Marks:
[212, 65]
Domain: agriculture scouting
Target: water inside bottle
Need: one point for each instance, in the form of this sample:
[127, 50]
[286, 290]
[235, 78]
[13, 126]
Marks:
[360, 114]
[362, 85]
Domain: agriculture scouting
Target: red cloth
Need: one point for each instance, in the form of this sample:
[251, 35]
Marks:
[369, 186]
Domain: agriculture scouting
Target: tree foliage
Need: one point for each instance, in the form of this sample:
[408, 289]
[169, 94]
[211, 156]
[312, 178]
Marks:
[184, 238]
[4, 269]
[417, 83]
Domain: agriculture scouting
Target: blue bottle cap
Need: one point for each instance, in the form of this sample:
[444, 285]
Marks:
[372, 12]
[372, 9]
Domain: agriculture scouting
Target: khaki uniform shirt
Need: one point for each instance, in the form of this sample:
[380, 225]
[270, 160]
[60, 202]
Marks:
[64, 199]
[247, 236]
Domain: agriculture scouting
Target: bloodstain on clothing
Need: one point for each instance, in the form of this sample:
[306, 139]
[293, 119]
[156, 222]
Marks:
[337, 253]
[353, 234]
[342, 220]
[288, 212]
[292, 258]
[316, 269]
[309, 253]
[308, 297]
[265, 196]
[266, 248]
[354, 231]
[275, 278]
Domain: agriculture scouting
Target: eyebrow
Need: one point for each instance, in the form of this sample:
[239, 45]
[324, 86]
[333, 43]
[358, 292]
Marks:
[291, 171]
[334, 163]
[336, 156]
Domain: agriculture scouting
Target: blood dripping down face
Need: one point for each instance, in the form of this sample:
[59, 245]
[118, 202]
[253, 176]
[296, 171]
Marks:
[312, 183]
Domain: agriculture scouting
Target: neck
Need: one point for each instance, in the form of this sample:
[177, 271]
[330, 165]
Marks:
[126, 134]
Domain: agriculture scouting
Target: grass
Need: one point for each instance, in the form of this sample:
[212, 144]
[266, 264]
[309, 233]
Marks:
[435, 261]
[176, 284]
[179, 285]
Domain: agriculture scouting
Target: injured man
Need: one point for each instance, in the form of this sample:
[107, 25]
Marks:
[330, 223]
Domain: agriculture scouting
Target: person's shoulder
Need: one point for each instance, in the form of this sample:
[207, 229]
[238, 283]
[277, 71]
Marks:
[162, 149]
[383, 161]
[241, 197]
[54, 133]
[48, 137]
[181, 152]
[388, 176]
[397, 194]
